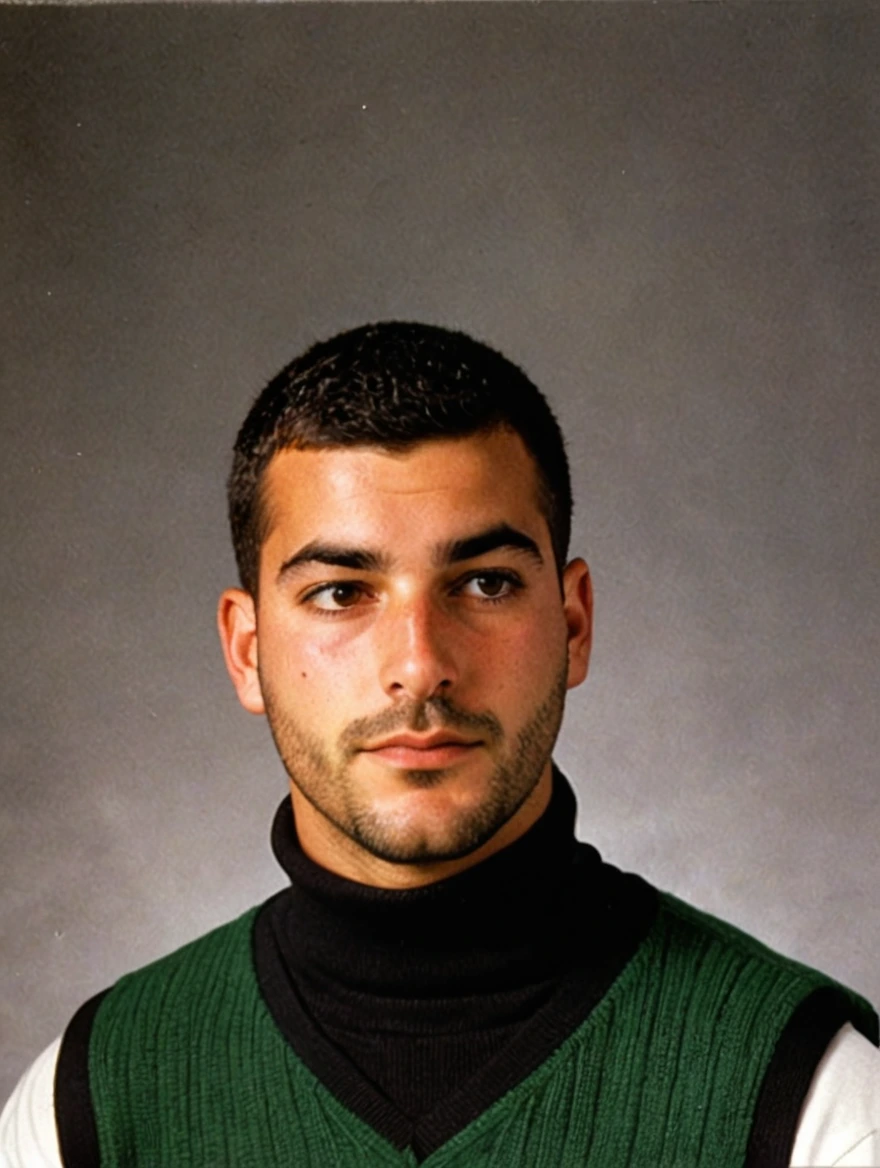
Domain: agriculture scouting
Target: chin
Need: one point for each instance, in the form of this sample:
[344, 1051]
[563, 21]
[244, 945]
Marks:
[426, 825]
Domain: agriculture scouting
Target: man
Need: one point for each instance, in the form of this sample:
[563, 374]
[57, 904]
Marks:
[451, 978]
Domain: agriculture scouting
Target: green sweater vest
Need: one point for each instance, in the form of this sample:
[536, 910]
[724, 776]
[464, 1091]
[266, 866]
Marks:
[187, 1069]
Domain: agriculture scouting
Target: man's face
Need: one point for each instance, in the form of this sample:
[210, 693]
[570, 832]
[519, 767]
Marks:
[410, 648]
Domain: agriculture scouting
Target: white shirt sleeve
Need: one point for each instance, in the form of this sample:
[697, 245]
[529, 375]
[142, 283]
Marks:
[28, 1138]
[839, 1126]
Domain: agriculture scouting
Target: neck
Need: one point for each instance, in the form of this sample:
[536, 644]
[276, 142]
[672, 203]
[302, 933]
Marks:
[327, 845]
[507, 914]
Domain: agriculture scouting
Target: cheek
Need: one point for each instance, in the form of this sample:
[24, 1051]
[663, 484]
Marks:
[333, 649]
[317, 671]
[522, 662]
[547, 650]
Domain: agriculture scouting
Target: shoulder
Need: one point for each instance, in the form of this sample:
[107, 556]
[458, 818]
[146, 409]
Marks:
[52, 1097]
[756, 986]
[687, 919]
[840, 1121]
[786, 978]
[211, 972]
[145, 1014]
[232, 938]
[28, 1138]
[799, 1013]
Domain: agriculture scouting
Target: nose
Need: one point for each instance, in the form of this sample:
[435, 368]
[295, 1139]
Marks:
[416, 651]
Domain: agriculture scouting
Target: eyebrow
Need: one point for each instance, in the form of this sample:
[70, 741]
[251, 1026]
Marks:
[500, 537]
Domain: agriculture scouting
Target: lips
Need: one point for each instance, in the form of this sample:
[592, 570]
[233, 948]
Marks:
[423, 751]
[424, 741]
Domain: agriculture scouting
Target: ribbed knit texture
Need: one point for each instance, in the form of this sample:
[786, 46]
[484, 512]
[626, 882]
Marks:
[187, 1067]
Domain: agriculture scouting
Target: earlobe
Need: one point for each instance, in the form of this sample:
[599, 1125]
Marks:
[578, 605]
[237, 626]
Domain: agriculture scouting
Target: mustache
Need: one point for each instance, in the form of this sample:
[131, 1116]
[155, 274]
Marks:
[438, 713]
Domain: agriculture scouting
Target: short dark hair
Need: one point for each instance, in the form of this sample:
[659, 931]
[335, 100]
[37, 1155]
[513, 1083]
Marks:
[392, 385]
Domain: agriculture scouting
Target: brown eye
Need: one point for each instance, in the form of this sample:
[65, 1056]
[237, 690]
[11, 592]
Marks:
[490, 586]
[333, 597]
[344, 594]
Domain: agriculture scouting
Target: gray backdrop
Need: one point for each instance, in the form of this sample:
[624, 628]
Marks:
[668, 214]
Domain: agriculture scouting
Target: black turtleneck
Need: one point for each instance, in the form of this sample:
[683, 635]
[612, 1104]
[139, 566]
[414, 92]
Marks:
[418, 1008]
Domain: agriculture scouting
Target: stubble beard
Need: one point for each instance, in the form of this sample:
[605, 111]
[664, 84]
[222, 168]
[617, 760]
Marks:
[328, 785]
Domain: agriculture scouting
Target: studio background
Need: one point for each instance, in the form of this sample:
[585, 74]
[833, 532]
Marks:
[667, 213]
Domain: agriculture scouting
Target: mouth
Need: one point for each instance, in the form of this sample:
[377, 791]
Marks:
[423, 753]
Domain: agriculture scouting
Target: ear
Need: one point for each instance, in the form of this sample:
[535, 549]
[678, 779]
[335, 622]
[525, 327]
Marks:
[577, 601]
[237, 625]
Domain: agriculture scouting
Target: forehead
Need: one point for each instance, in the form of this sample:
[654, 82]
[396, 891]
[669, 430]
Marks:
[366, 491]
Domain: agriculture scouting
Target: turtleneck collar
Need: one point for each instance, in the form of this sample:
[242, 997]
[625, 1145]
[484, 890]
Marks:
[418, 1008]
[502, 924]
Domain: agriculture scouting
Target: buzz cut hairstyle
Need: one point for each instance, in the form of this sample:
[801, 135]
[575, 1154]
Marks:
[392, 385]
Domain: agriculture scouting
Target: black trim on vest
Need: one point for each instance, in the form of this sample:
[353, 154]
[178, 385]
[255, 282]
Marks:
[74, 1113]
[630, 907]
[790, 1072]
